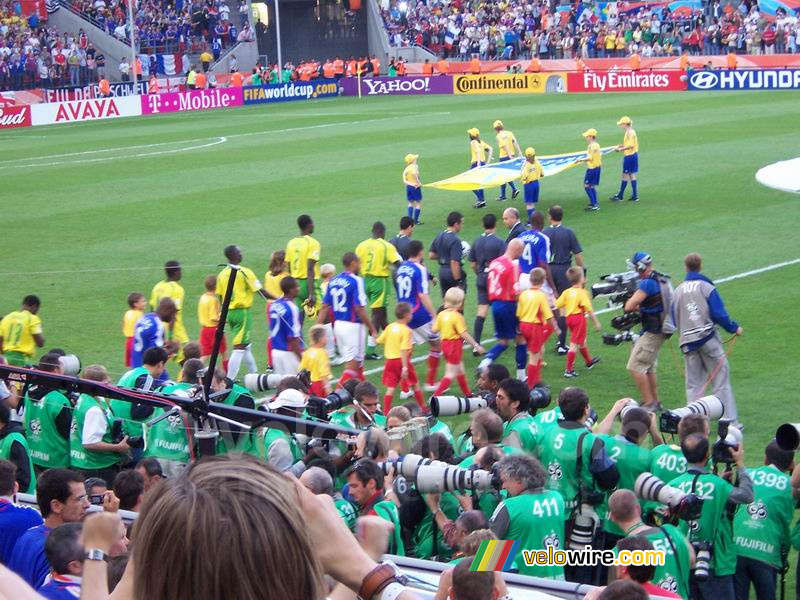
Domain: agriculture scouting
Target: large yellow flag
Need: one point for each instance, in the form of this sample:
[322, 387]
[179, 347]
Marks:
[496, 174]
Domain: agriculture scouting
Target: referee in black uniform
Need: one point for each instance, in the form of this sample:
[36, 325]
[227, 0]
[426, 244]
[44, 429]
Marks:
[403, 239]
[563, 246]
[484, 250]
[446, 249]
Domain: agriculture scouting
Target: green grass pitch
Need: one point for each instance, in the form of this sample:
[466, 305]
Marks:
[115, 199]
[90, 212]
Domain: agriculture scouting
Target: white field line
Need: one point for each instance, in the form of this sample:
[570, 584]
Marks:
[35, 160]
[216, 141]
[742, 275]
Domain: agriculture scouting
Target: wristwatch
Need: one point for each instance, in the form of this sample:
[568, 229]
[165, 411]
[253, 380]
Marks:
[384, 574]
[95, 554]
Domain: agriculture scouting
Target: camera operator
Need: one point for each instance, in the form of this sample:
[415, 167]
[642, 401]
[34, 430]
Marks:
[697, 309]
[628, 453]
[93, 449]
[578, 465]
[231, 437]
[364, 412]
[531, 514]
[447, 250]
[519, 430]
[625, 512]
[714, 530]
[276, 446]
[48, 419]
[649, 302]
[14, 448]
[761, 532]
[366, 481]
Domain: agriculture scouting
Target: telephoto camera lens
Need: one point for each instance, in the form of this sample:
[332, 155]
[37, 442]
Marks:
[628, 406]
[709, 406]
[702, 561]
[583, 528]
[450, 406]
[788, 436]
[263, 382]
[684, 506]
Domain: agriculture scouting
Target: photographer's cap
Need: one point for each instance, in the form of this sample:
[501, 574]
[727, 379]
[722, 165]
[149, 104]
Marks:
[289, 399]
[624, 121]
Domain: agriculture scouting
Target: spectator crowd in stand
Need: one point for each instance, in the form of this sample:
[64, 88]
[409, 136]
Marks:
[167, 27]
[33, 54]
[521, 30]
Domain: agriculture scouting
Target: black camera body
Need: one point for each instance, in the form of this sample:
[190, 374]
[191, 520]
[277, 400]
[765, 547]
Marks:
[320, 408]
[118, 434]
[729, 439]
[619, 287]
[540, 398]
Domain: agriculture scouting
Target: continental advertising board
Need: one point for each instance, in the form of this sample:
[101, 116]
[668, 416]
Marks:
[502, 83]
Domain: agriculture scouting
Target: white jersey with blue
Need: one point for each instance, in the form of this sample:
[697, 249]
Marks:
[147, 333]
[411, 280]
[284, 323]
[345, 292]
[536, 252]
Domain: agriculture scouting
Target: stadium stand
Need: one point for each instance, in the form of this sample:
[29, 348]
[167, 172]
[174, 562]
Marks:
[35, 55]
[503, 31]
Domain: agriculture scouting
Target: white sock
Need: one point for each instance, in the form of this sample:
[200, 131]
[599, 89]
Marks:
[330, 347]
[522, 374]
[234, 363]
[370, 341]
[250, 361]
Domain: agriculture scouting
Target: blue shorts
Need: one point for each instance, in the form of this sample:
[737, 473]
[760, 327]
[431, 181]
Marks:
[592, 176]
[532, 192]
[473, 165]
[630, 164]
[505, 319]
[413, 193]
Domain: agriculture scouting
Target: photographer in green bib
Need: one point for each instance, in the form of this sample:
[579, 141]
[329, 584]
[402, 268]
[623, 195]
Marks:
[579, 468]
[667, 461]
[231, 437]
[94, 451]
[145, 378]
[48, 419]
[14, 448]
[625, 512]
[531, 514]
[519, 429]
[320, 481]
[366, 483]
[275, 445]
[761, 529]
[712, 534]
[167, 440]
[628, 452]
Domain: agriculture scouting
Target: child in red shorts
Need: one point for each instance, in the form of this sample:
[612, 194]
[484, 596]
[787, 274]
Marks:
[315, 361]
[397, 344]
[136, 305]
[450, 324]
[575, 304]
[536, 323]
[208, 310]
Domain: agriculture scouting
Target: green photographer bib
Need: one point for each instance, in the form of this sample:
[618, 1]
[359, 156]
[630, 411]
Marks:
[167, 439]
[47, 448]
[80, 457]
[5, 454]
[537, 521]
[631, 461]
[559, 459]
[522, 430]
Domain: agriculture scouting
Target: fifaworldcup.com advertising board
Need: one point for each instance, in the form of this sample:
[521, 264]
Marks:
[284, 92]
